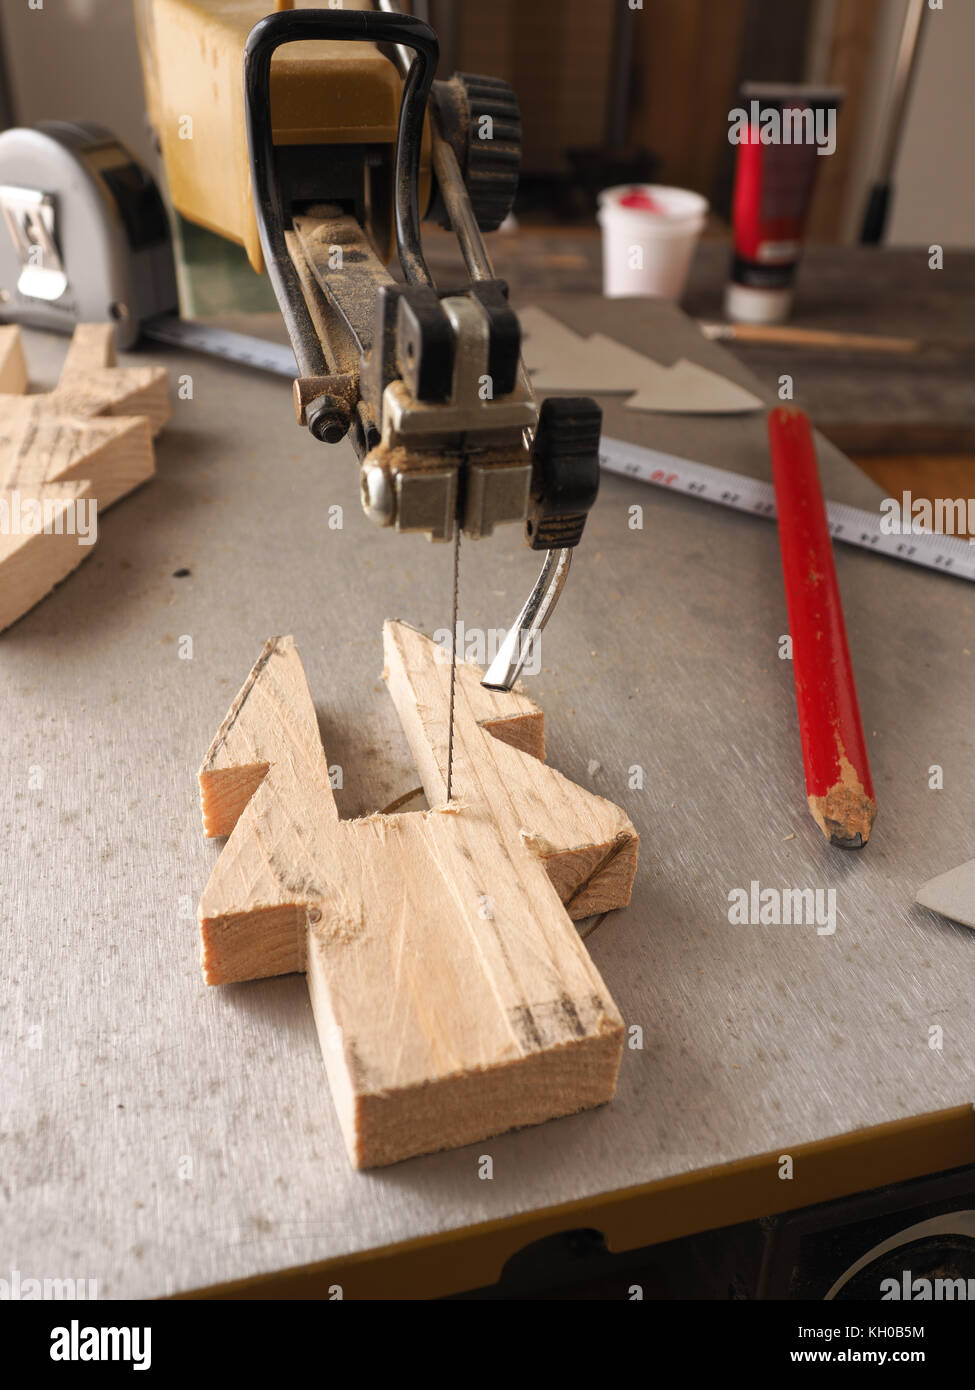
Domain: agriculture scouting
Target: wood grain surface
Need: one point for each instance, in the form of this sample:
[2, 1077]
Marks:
[453, 998]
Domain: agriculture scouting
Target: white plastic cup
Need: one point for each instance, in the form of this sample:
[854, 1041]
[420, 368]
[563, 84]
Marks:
[647, 250]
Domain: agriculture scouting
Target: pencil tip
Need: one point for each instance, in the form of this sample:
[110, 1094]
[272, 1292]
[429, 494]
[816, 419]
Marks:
[845, 815]
[848, 841]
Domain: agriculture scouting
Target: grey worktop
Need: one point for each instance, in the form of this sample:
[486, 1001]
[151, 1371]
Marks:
[160, 1136]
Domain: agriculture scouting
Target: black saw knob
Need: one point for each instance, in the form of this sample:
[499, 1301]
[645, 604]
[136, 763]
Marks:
[480, 118]
[565, 471]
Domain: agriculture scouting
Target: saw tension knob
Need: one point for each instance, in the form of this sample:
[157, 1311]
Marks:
[480, 118]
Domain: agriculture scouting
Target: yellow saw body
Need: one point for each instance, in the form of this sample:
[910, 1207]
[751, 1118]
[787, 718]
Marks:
[322, 93]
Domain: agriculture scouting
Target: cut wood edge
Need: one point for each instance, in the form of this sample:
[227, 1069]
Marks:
[241, 752]
[267, 751]
[546, 339]
[224, 794]
[34, 564]
[588, 844]
[598, 878]
[526, 732]
[13, 364]
[148, 395]
[114, 455]
[90, 375]
[91, 347]
[380, 1130]
[217, 749]
[117, 391]
[120, 460]
[253, 945]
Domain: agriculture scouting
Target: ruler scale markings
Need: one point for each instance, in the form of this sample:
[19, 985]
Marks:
[851, 525]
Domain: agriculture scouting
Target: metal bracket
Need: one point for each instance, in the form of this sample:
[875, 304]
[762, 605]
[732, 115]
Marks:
[30, 218]
[522, 636]
[406, 484]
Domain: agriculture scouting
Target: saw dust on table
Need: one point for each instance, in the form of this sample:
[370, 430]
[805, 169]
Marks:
[453, 997]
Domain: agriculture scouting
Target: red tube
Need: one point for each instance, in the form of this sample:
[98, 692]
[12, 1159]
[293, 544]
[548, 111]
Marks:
[782, 132]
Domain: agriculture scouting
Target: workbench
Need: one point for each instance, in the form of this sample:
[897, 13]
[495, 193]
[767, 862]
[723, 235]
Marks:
[165, 1138]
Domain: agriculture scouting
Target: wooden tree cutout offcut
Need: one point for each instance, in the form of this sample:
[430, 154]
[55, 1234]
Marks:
[453, 997]
[89, 441]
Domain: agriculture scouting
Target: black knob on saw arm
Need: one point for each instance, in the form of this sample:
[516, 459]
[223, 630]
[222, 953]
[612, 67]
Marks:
[479, 116]
[565, 471]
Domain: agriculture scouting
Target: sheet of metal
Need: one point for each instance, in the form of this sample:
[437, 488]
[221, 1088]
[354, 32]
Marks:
[161, 1136]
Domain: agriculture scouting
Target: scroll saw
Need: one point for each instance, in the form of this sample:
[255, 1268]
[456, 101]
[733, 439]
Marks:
[315, 138]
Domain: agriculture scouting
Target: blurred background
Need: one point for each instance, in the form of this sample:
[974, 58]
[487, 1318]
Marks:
[609, 94]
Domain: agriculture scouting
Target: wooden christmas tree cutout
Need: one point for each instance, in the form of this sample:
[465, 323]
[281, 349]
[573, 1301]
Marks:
[453, 997]
[85, 444]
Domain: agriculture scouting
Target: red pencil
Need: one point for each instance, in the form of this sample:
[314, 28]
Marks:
[834, 754]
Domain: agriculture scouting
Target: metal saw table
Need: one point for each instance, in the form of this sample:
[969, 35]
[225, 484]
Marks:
[163, 1138]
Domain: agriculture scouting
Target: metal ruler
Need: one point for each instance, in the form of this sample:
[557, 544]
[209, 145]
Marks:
[221, 342]
[949, 554]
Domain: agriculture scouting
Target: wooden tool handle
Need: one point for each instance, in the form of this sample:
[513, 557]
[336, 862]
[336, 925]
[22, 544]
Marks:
[823, 338]
[838, 782]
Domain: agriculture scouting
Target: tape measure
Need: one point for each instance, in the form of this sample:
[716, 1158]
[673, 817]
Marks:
[240, 348]
[88, 240]
[851, 525]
